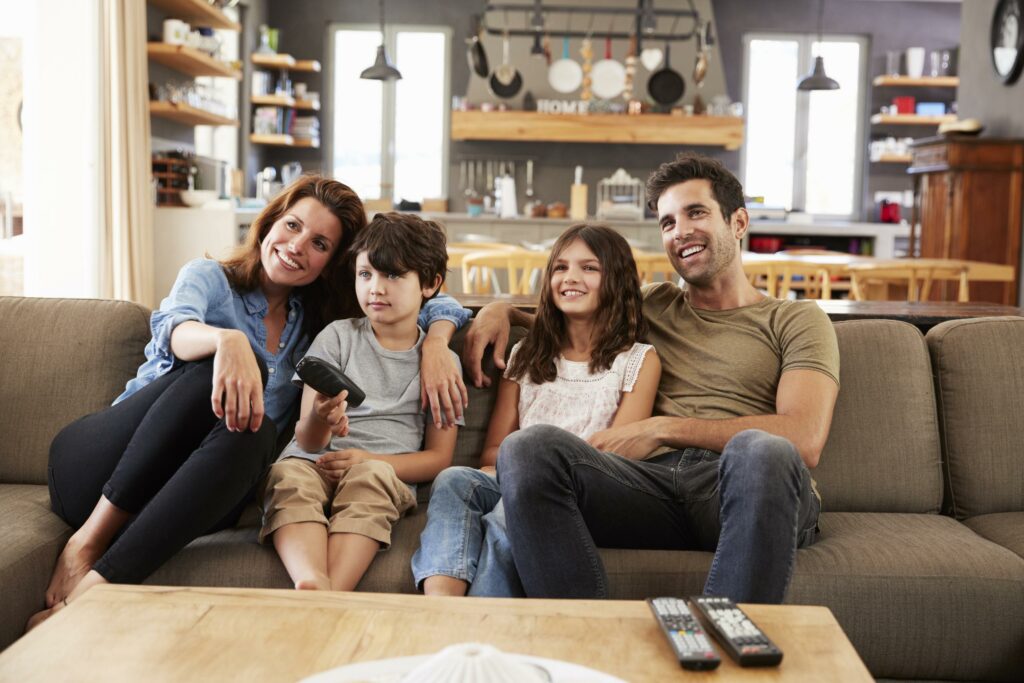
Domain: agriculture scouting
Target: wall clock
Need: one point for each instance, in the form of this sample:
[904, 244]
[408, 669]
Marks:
[1007, 39]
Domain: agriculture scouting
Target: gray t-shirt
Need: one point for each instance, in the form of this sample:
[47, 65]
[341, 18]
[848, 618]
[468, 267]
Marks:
[390, 419]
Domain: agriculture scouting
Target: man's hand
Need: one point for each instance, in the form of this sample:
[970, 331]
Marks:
[336, 464]
[332, 412]
[441, 385]
[490, 326]
[635, 440]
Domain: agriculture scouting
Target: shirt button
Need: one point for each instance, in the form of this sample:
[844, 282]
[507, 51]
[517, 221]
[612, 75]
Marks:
[271, 370]
[281, 345]
[291, 316]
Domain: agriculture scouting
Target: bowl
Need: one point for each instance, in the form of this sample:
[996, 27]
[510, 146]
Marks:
[198, 197]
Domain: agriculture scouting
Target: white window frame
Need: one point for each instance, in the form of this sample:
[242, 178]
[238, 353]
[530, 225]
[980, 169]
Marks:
[389, 94]
[805, 62]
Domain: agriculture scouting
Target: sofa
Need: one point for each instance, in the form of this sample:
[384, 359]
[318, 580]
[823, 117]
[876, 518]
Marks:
[921, 553]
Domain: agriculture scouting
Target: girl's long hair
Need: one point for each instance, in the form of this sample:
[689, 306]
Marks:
[331, 296]
[618, 320]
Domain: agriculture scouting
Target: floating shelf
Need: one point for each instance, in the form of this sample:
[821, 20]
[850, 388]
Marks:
[285, 101]
[281, 140]
[893, 159]
[191, 61]
[651, 129]
[183, 113]
[197, 13]
[912, 119]
[922, 82]
[286, 62]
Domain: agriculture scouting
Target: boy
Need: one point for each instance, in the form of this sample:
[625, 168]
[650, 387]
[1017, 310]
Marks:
[364, 461]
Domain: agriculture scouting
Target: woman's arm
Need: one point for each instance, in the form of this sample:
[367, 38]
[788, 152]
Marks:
[412, 468]
[504, 421]
[638, 403]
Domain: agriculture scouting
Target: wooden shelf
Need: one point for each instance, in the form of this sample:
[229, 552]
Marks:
[281, 140]
[311, 105]
[197, 13]
[912, 119]
[191, 61]
[274, 100]
[191, 116]
[285, 62]
[922, 82]
[651, 129]
[893, 159]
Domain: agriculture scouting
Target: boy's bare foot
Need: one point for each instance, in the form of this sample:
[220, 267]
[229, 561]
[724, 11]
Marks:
[313, 585]
[74, 563]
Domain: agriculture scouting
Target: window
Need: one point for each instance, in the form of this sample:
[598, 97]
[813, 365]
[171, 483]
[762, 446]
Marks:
[389, 140]
[804, 149]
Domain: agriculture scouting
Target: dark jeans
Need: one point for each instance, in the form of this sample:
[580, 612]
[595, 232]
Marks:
[162, 455]
[753, 505]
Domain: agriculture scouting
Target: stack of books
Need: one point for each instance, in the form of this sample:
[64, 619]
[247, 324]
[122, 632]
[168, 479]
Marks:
[306, 128]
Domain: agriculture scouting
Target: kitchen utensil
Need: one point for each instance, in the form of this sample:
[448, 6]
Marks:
[505, 71]
[565, 75]
[475, 49]
[547, 49]
[608, 76]
[529, 179]
[666, 85]
[506, 81]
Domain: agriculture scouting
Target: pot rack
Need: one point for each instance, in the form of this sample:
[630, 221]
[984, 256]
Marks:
[537, 22]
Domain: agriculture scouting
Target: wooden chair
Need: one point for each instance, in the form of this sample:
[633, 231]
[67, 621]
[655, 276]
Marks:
[481, 270]
[870, 281]
[650, 264]
[458, 250]
[776, 277]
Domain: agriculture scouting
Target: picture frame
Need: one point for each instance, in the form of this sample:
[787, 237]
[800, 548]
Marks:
[1006, 39]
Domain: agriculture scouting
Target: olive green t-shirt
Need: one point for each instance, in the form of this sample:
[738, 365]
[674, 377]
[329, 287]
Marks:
[725, 364]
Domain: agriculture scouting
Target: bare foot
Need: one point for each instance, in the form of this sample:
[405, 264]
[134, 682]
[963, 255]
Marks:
[313, 585]
[40, 617]
[74, 563]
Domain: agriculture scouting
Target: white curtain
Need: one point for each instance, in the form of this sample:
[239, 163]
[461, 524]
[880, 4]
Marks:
[126, 226]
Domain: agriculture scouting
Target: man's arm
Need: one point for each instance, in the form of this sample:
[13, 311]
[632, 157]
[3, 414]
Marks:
[491, 326]
[804, 403]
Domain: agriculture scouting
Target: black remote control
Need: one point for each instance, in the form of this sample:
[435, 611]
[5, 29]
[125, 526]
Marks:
[684, 634]
[328, 380]
[737, 634]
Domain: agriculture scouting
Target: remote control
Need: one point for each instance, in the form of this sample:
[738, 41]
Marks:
[328, 380]
[684, 634]
[736, 632]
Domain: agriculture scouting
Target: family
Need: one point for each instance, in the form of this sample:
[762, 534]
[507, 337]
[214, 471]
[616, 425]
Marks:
[659, 417]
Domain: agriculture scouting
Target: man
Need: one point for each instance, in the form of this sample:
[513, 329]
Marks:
[743, 411]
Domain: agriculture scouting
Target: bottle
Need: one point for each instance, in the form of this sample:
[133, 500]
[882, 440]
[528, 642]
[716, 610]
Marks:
[578, 197]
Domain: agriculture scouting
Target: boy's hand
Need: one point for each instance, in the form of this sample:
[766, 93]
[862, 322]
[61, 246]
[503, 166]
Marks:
[335, 464]
[332, 412]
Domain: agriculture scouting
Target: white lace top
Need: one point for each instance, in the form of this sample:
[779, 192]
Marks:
[577, 401]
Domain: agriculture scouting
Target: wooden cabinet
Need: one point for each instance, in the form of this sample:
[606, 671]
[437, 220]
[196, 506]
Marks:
[968, 206]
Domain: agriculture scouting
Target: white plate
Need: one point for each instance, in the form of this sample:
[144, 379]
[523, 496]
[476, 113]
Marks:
[392, 671]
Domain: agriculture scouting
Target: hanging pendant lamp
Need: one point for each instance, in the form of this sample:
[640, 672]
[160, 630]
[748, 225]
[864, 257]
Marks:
[381, 69]
[817, 80]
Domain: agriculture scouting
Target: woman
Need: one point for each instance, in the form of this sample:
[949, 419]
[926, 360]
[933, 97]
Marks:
[142, 478]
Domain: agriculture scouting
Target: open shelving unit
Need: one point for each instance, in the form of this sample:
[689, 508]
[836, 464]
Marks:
[197, 12]
[918, 82]
[280, 140]
[911, 119]
[191, 61]
[285, 64]
[188, 115]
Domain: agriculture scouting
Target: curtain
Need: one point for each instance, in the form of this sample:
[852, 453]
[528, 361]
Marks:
[126, 228]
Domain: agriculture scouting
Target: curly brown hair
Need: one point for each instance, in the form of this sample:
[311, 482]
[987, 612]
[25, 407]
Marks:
[618, 321]
[331, 296]
[725, 186]
[402, 242]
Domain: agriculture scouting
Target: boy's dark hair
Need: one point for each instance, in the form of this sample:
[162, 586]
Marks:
[692, 166]
[401, 242]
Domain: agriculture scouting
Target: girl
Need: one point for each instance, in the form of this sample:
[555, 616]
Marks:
[579, 368]
[225, 338]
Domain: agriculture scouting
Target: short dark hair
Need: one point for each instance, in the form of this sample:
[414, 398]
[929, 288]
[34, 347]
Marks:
[692, 166]
[401, 242]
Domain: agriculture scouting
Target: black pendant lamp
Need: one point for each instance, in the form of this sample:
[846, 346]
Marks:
[817, 80]
[381, 69]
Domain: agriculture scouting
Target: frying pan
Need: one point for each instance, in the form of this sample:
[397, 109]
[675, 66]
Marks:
[666, 85]
[608, 76]
[475, 50]
[506, 81]
[565, 75]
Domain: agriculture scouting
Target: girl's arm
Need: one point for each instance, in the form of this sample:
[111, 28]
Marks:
[504, 421]
[412, 468]
[637, 404]
[319, 418]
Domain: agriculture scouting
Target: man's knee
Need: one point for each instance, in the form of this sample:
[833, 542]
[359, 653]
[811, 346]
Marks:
[530, 453]
[762, 455]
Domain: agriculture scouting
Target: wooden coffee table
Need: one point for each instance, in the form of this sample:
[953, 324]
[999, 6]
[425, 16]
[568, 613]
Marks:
[146, 633]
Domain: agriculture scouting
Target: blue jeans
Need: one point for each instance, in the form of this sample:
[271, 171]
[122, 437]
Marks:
[752, 505]
[465, 536]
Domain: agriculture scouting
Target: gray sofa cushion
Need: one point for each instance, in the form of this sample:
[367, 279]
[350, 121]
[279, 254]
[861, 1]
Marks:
[882, 453]
[1004, 528]
[979, 372]
[63, 358]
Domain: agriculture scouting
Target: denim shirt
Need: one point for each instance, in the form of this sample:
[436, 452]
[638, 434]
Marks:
[202, 293]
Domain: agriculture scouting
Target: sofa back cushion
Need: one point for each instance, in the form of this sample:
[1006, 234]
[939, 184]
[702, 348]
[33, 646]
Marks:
[62, 358]
[979, 378]
[883, 451]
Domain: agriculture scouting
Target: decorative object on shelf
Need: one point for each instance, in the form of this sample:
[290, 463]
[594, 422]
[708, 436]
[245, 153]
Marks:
[620, 197]
[381, 69]
[264, 47]
[1007, 39]
[963, 127]
[817, 80]
[587, 53]
[915, 62]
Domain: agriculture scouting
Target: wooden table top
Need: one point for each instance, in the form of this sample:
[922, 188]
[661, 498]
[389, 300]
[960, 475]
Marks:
[135, 633]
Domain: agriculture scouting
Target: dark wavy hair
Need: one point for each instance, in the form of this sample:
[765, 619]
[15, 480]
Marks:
[331, 296]
[725, 186]
[402, 242]
[618, 321]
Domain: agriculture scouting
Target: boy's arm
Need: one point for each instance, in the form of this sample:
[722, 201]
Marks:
[491, 326]
[504, 421]
[412, 468]
[320, 417]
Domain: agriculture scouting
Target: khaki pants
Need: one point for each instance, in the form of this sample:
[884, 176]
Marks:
[368, 500]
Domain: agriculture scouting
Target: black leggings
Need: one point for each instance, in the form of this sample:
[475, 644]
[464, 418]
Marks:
[163, 456]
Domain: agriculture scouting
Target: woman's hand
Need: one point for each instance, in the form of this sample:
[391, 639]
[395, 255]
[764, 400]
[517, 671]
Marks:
[237, 386]
[335, 464]
[490, 326]
[441, 385]
[332, 412]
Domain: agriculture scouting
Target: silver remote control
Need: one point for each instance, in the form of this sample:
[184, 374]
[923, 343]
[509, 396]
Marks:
[684, 633]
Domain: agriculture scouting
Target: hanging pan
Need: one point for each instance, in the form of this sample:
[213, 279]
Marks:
[506, 81]
[475, 49]
[565, 75]
[608, 76]
[666, 85]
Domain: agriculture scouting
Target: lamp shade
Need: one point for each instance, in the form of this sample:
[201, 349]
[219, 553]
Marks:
[381, 69]
[817, 80]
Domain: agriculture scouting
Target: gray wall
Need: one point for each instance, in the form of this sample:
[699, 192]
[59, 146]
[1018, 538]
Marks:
[982, 94]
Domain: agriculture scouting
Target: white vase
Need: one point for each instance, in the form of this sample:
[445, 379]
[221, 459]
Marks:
[915, 62]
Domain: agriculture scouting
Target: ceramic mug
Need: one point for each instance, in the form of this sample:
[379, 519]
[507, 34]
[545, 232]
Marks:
[176, 31]
[915, 62]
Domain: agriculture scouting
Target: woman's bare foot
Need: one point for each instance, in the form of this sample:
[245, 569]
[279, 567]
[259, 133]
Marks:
[313, 585]
[74, 563]
[85, 582]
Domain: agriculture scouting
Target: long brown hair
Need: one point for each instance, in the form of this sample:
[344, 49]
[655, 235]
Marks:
[618, 321]
[332, 295]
